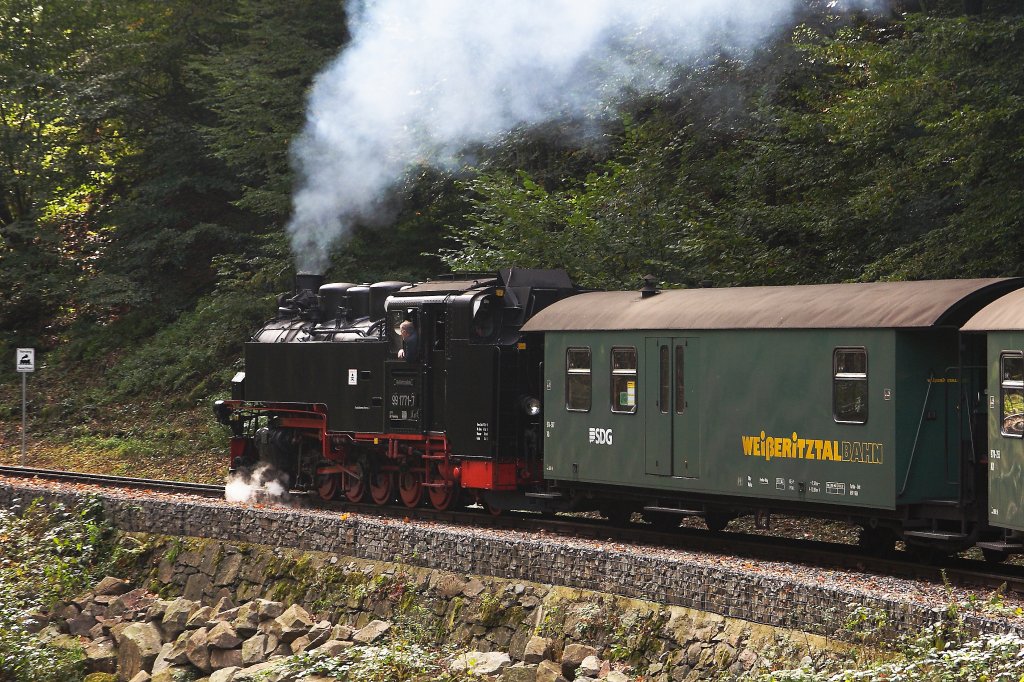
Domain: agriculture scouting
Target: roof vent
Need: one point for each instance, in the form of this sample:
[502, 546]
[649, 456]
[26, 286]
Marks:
[650, 287]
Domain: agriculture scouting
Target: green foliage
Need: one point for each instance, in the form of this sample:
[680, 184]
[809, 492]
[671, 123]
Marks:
[872, 151]
[46, 554]
[257, 81]
[397, 661]
[609, 230]
[191, 358]
[946, 651]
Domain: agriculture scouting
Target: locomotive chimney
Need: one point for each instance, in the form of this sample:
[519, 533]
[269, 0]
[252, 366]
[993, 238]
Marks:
[307, 281]
[650, 287]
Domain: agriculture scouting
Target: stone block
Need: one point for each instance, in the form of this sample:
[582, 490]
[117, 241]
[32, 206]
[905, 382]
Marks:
[572, 657]
[223, 636]
[200, 618]
[112, 586]
[549, 671]
[589, 667]
[269, 609]
[80, 625]
[334, 647]
[479, 663]
[196, 586]
[537, 649]
[174, 674]
[223, 605]
[254, 650]
[520, 672]
[176, 616]
[198, 650]
[294, 622]
[373, 631]
[225, 658]
[224, 675]
[101, 656]
[299, 645]
[247, 620]
[139, 645]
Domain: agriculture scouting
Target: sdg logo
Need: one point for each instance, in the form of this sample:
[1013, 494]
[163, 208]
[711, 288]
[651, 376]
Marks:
[600, 436]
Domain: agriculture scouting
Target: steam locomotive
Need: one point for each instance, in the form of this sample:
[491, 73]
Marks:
[896, 406]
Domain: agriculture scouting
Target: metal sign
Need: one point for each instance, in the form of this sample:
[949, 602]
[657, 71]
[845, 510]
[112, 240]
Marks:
[25, 360]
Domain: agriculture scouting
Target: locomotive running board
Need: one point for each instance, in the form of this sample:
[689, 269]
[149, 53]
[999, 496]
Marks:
[674, 510]
[545, 496]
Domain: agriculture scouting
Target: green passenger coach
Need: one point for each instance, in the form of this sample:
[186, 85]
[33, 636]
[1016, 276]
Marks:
[857, 401]
[1002, 323]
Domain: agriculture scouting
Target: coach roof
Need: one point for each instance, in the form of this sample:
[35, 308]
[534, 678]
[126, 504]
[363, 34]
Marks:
[818, 306]
[1003, 314]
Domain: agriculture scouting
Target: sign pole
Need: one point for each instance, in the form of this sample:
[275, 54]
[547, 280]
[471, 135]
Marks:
[24, 416]
[24, 362]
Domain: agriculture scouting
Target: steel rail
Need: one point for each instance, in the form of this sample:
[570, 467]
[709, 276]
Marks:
[202, 489]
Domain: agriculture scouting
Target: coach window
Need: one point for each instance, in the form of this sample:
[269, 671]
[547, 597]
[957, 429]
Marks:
[577, 379]
[850, 385]
[1011, 385]
[624, 380]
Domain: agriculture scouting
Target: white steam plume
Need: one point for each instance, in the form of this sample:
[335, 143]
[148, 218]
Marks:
[422, 80]
[263, 484]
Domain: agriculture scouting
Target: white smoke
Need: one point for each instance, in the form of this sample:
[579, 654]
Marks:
[262, 484]
[420, 81]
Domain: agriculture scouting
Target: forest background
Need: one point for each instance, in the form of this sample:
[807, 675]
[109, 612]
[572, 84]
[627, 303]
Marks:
[145, 185]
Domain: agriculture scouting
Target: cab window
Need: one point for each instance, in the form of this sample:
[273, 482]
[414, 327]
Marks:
[850, 385]
[577, 379]
[624, 380]
[1011, 393]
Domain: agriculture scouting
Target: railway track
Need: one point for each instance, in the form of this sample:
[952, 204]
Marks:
[200, 489]
[825, 555]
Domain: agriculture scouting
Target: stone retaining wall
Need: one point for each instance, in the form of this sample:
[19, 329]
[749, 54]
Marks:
[771, 601]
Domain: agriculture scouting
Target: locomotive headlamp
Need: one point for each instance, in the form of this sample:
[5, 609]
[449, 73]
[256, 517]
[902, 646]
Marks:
[531, 406]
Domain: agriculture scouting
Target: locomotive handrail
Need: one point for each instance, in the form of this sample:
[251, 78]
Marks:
[917, 436]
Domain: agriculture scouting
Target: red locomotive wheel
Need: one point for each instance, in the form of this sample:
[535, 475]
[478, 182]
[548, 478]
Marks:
[328, 486]
[355, 484]
[410, 489]
[445, 497]
[382, 487]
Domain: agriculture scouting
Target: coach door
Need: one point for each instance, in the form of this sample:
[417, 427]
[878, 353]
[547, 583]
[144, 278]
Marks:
[672, 414]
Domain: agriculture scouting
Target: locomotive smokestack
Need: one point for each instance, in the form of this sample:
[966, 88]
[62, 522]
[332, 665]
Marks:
[307, 281]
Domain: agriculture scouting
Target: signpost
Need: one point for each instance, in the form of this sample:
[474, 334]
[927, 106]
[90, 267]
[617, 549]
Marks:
[24, 362]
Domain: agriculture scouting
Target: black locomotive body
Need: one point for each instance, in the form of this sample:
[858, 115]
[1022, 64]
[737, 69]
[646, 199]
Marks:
[329, 401]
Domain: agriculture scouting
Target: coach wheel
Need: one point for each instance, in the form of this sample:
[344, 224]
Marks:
[617, 515]
[878, 541]
[716, 521]
[327, 486]
[492, 509]
[355, 483]
[661, 521]
[410, 489]
[382, 486]
[443, 497]
[994, 556]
